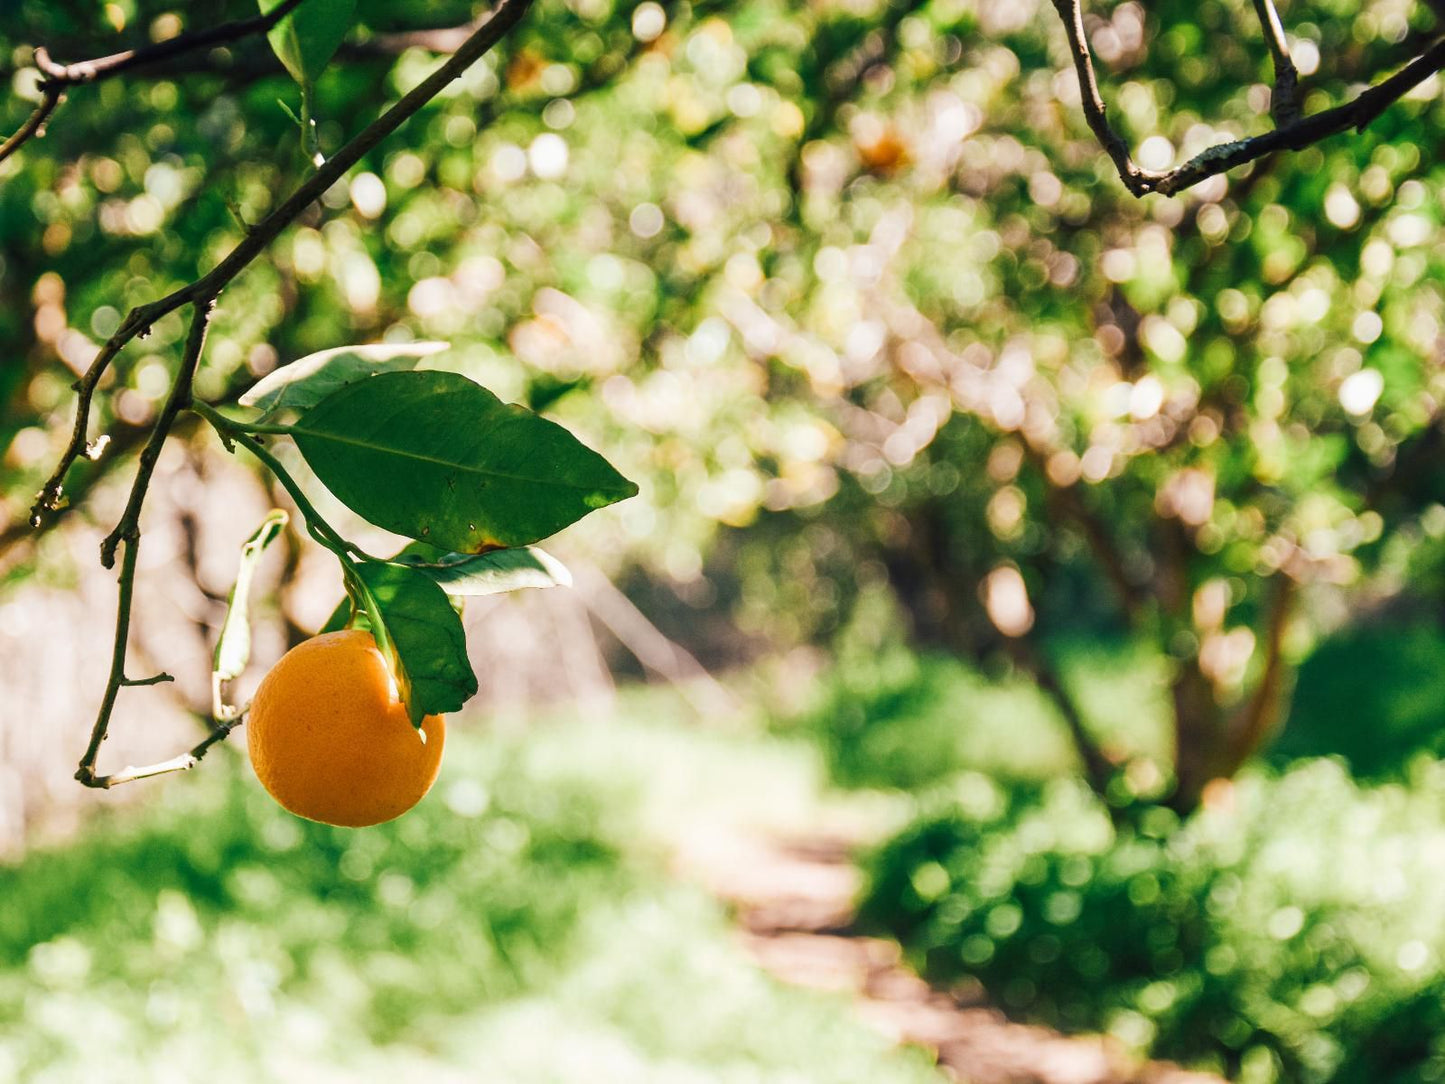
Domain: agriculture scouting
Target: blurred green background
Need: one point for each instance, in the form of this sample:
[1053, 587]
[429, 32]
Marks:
[1087, 550]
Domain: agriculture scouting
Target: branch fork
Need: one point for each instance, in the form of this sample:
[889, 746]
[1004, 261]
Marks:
[1293, 130]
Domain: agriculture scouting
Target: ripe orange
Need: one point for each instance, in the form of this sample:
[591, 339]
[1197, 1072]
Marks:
[330, 739]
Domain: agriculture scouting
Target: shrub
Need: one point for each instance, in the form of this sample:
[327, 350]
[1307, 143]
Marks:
[1393, 676]
[1292, 935]
[903, 721]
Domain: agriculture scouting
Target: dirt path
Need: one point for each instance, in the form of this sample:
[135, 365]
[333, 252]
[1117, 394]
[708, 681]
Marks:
[793, 902]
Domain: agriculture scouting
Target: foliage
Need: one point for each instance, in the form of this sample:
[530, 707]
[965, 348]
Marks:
[438, 458]
[1289, 934]
[858, 265]
[218, 895]
[1392, 675]
[896, 720]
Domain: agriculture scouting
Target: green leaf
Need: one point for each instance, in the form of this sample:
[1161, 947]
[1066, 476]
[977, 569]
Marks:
[434, 456]
[491, 573]
[306, 39]
[307, 381]
[427, 634]
[470, 575]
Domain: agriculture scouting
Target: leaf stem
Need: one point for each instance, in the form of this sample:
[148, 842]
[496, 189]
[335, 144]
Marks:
[232, 432]
[325, 535]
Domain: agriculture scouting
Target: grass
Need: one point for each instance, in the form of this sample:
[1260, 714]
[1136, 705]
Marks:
[518, 926]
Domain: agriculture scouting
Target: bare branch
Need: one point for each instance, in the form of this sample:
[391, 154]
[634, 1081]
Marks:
[1284, 102]
[155, 679]
[91, 71]
[1296, 135]
[128, 532]
[178, 400]
[183, 762]
[34, 124]
[1137, 180]
[60, 76]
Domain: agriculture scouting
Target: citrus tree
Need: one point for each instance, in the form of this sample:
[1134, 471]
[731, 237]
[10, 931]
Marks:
[885, 287]
[427, 454]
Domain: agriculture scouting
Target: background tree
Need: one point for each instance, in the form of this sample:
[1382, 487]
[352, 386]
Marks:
[865, 269]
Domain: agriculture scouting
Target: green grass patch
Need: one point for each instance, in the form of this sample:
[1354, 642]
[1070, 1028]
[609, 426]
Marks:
[517, 926]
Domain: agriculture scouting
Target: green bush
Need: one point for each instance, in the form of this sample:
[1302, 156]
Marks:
[1393, 676]
[1291, 936]
[897, 720]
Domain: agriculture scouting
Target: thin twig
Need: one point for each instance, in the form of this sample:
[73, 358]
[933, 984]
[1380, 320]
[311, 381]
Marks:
[1284, 104]
[34, 125]
[127, 531]
[184, 762]
[1137, 180]
[1301, 133]
[201, 295]
[155, 679]
[178, 400]
[60, 76]
[86, 772]
[209, 286]
[92, 71]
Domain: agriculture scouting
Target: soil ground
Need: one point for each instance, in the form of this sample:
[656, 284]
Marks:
[793, 903]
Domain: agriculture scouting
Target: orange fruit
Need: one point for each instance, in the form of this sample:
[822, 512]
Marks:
[330, 739]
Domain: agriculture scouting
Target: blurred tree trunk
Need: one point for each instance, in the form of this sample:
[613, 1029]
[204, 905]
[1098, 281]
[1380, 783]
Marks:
[936, 581]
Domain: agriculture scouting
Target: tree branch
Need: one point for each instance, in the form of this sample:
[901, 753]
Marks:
[1284, 102]
[1296, 135]
[1257, 717]
[91, 71]
[34, 125]
[209, 286]
[60, 76]
[201, 295]
[184, 762]
[128, 532]
[180, 397]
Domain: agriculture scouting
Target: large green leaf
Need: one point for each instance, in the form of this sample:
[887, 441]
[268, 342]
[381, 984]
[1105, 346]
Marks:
[434, 456]
[306, 39]
[427, 634]
[307, 381]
